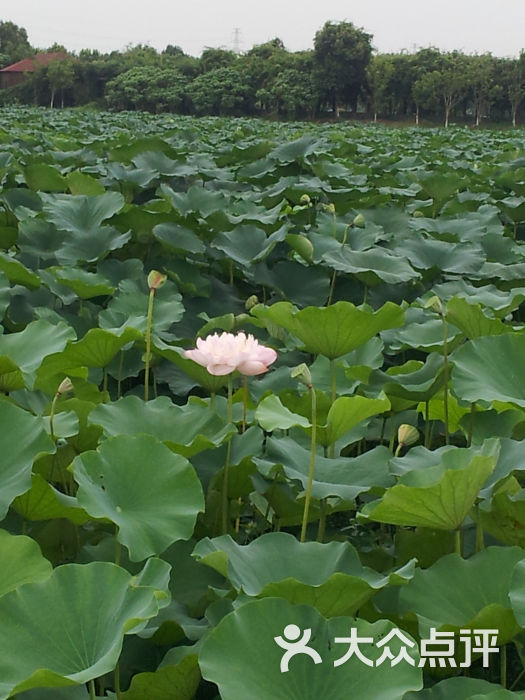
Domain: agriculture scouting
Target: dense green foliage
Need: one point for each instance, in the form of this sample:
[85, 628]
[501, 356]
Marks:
[340, 74]
[154, 515]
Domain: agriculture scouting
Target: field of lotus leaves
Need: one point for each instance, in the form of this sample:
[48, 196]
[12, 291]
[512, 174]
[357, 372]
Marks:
[361, 486]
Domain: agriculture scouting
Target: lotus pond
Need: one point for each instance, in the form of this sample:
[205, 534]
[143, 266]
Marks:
[341, 518]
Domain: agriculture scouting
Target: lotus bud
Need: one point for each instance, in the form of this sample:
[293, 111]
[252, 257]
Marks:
[305, 199]
[435, 304]
[407, 435]
[303, 374]
[303, 247]
[251, 302]
[156, 279]
[331, 208]
[65, 386]
[359, 221]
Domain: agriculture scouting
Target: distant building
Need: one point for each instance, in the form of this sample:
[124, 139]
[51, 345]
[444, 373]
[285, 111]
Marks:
[16, 73]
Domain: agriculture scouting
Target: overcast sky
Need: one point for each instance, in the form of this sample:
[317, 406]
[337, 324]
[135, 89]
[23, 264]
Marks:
[473, 26]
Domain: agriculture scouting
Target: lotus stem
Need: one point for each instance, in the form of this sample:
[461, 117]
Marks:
[148, 343]
[312, 464]
[52, 416]
[332, 287]
[225, 517]
[244, 401]
[92, 695]
[333, 386]
[457, 541]
[471, 423]
[117, 682]
[480, 539]
[427, 424]
[503, 666]
[446, 372]
[119, 379]
[322, 521]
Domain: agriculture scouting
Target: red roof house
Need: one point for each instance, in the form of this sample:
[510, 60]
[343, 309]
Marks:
[15, 73]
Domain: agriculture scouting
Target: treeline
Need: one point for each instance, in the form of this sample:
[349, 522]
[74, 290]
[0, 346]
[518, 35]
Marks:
[340, 74]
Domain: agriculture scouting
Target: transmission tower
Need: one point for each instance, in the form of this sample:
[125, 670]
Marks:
[237, 40]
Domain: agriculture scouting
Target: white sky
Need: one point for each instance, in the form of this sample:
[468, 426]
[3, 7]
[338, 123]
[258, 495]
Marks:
[473, 26]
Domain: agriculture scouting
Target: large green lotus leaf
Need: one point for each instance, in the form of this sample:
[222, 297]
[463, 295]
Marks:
[29, 347]
[348, 411]
[298, 149]
[22, 562]
[503, 516]
[517, 590]
[179, 238]
[18, 273]
[413, 381]
[85, 284]
[129, 308]
[176, 681]
[96, 349]
[471, 320]
[20, 199]
[82, 183]
[40, 176]
[56, 632]
[11, 377]
[464, 689]
[465, 593]
[81, 214]
[44, 502]
[272, 415]
[490, 369]
[150, 493]
[437, 497]
[278, 565]
[242, 244]
[5, 296]
[197, 199]
[373, 266]
[246, 665]
[333, 330]
[427, 253]
[186, 429]
[22, 439]
[422, 331]
[343, 478]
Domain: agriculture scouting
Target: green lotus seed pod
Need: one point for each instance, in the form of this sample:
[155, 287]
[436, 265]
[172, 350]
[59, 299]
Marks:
[305, 199]
[251, 302]
[417, 214]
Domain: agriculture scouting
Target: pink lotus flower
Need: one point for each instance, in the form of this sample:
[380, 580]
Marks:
[225, 353]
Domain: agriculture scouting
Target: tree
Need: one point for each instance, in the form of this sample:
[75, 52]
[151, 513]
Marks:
[223, 92]
[379, 74]
[211, 59]
[342, 53]
[149, 88]
[511, 76]
[290, 95]
[482, 82]
[60, 76]
[14, 44]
